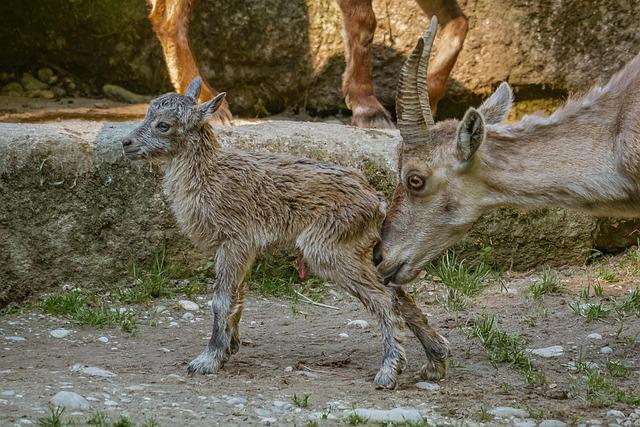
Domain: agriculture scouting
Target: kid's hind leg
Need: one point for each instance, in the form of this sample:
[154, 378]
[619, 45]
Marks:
[435, 345]
[362, 281]
[234, 320]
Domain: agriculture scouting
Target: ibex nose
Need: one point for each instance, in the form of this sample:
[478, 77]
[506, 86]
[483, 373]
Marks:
[377, 254]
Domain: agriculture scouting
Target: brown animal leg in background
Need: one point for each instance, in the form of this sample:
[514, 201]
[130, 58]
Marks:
[453, 31]
[435, 345]
[170, 21]
[357, 85]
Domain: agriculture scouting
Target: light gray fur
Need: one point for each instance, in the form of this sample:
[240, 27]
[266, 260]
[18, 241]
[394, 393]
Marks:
[236, 204]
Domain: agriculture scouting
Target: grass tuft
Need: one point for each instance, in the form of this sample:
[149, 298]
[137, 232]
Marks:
[301, 402]
[53, 418]
[354, 419]
[591, 311]
[505, 348]
[78, 308]
[549, 283]
[462, 280]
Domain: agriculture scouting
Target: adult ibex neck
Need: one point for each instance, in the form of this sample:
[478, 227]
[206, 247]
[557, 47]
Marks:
[570, 159]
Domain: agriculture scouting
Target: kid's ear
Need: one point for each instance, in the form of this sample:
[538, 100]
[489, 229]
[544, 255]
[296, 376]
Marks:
[210, 107]
[193, 91]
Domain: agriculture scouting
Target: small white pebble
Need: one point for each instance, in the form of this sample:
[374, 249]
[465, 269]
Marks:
[343, 335]
[59, 333]
[363, 324]
[606, 350]
[103, 340]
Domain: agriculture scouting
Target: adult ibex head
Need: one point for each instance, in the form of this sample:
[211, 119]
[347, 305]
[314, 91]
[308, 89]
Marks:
[438, 194]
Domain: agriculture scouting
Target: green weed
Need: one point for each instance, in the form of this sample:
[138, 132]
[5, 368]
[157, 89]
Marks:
[462, 280]
[78, 308]
[549, 283]
[505, 348]
[301, 402]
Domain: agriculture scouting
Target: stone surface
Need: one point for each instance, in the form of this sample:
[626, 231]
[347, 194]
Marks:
[606, 350]
[424, 385]
[70, 400]
[188, 305]
[594, 336]
[15, 338]
[244, 46]
[31, 83]
[92, 371]
[552, 351]
[508, 412]
[96, 212]
[552, 423]
[60, 333]
[395, 415]
[362, 324]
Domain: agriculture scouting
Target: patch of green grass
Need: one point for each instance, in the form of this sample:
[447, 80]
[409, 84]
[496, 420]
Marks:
[632, 259]
[354, 419]
[630, 305]
[53, 418]
[591, 311]
[301, 402]
[98, 419]
[505, 348]
[618, 369]
[151, 284]
[462, 280]
[79, 308]
[602, 393]
[607, 275]
[484, 415]
[549, 283]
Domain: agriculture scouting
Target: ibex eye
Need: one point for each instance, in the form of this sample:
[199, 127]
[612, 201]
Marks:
[163, 127]
[415, 182]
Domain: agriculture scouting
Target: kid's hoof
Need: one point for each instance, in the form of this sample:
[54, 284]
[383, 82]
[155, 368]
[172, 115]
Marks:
[234, 345]
[434, 370]
[385, 380]
[204, 364]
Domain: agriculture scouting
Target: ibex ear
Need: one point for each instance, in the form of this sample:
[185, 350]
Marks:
[496, 108]
[193, 91]
[210, 107]
[471, 133]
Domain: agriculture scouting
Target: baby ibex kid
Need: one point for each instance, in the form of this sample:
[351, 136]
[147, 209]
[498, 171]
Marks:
[236, 204]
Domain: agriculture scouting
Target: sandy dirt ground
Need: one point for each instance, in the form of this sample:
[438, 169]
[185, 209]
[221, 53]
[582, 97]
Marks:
[293, 348]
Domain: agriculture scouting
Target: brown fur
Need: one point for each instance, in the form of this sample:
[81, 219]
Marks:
[585, 156]
[170, 21]
[236, 205]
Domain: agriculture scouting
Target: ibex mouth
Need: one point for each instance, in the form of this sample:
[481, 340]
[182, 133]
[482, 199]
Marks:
[390, 275]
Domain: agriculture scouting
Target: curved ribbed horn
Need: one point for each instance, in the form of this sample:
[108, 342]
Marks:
[423, 93]
[412, 96]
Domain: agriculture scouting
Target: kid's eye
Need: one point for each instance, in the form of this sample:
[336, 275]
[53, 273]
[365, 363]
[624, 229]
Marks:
[163, 127]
